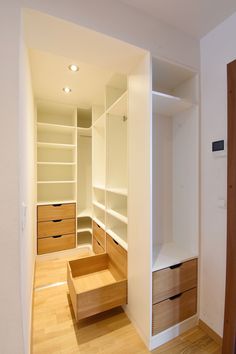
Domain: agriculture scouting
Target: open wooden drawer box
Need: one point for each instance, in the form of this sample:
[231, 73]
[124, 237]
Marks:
[98, 283]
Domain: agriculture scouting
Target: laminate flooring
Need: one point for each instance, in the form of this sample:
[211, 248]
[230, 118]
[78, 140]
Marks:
[55, 330]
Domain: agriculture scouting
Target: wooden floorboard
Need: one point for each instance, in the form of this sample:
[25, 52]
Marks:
[55, 330]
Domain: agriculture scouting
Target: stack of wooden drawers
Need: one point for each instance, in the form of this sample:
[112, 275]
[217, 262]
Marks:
[99, 237]
[56, 227]
[174, 295]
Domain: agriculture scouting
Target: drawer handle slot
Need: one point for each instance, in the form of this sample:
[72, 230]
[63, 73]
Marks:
[58, 236]
[175, 297]
[98, 243]
[56, 205]
[57, 220]
[176, 266]
[99, 226]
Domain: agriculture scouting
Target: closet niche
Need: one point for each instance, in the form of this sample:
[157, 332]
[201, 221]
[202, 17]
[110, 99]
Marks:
[82, 164]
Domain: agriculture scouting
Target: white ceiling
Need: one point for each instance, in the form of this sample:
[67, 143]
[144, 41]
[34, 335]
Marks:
[50, 74]
[54, 44]
[195, 17]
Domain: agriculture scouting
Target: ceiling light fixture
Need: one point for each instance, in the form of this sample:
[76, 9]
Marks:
[66, 89]
[73, 67]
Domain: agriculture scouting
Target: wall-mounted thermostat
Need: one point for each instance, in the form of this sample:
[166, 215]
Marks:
[219, 148]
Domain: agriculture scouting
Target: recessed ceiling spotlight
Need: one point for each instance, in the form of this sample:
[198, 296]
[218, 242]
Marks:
[73, 67]
[66, 89]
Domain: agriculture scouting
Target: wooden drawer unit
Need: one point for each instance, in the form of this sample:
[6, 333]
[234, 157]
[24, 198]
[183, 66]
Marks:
[56, 243]
[173, 310]
[56, 227]
[174, 280]
[98, 283]
[99, 234]
[56, 212]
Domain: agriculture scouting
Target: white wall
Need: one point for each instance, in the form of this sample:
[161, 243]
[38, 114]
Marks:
[27, 192]
[11, 340]
[217, 49]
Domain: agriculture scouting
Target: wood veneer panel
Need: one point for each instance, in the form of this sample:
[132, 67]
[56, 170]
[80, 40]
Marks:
[172, 311]
[99, 234]
[97, 247]
[56, 211]
[52, 228]
[229, 337]
[117, 258]
[174, 280]
[53, 244]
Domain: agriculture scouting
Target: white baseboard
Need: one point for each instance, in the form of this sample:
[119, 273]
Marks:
[172, 332]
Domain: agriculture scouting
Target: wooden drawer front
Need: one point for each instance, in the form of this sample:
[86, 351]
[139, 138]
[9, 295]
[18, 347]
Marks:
[97, 247]
[171, 281]
[57, 227]
[118, 258]
[100, 234]
[53, 244]
[56, 212]
[174, 310]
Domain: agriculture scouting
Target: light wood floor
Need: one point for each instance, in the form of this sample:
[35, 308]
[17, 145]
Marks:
[56, 332]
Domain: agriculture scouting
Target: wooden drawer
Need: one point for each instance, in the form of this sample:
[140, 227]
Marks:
[174, 310]
[100, 234]
[97, 247]
[174, 280]
[96, 284]
[53, 244]
[56, 227]
[56, 212]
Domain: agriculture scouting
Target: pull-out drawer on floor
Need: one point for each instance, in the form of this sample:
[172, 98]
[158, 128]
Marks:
[98, 283]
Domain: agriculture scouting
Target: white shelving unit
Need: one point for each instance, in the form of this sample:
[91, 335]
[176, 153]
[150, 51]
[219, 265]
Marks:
[56, 151]
[110, 190]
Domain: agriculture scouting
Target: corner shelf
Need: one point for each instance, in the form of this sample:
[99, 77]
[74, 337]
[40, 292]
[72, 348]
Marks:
[84, 229]
[168, 105]
[84, 213]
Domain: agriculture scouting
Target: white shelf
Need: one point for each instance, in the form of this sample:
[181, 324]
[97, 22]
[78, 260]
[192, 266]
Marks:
[85, 213]
[84, 131]
[84, 229]
[170, 254]
[52, 126]
[56, 202]
[99, 205]
[118, 215]
[54, 145]
[99, 223]
[56, 163]
[118, 239]
[121, 191]
[168, 105]
[119, 107]
[100, 187]
[52, 182]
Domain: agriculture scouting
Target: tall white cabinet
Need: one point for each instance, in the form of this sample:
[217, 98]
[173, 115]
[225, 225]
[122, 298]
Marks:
[175, 200]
